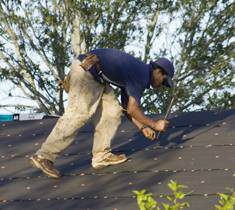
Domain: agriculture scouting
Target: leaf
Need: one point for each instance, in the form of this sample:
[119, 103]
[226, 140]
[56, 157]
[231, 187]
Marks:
[224, 196]
[180, 195]
[166, 206]
[172, 185]
[170, 198]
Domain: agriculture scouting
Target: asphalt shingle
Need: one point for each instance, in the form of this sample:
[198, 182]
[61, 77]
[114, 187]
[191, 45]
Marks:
[198, 150]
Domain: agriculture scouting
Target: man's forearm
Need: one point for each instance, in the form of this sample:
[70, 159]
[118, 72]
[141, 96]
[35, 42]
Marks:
[140, 118]
[133, 120]
[137, 123]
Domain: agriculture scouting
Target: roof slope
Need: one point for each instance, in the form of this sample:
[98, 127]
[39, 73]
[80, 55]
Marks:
[198, 150]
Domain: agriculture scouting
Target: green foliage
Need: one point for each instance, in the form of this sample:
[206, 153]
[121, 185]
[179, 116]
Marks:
[146, 202]
[36, 39]
[226, 202]
[36, 46]
[174, 200]
[205, 64]
[202, 49]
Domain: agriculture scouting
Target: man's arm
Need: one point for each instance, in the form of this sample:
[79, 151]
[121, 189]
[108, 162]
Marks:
[137, 123]
[140, 119]
[137, 115]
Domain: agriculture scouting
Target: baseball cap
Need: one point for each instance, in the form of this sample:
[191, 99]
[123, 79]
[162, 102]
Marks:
[167, 66]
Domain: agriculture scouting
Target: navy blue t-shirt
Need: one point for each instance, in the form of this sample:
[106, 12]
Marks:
[125, 71]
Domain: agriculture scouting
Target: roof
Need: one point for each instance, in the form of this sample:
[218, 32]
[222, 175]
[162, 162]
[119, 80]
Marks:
[198, 150]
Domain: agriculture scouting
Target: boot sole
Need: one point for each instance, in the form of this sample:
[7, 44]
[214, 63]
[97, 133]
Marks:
[110, 164]
[37, 165]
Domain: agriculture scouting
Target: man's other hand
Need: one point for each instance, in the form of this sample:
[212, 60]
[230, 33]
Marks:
[149, 133]
[161, 125]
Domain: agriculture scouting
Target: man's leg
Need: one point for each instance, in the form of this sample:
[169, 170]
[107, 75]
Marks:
[106, 121]
[84, 96]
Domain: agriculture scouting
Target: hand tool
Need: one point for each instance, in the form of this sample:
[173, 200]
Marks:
[167, 112]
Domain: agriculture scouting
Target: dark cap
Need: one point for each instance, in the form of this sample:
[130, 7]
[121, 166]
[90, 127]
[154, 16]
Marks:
[167, 66]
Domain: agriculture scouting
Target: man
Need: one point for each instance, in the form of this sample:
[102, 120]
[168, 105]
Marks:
[90, 95]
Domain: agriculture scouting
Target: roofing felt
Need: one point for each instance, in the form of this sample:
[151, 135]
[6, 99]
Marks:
[198, 150]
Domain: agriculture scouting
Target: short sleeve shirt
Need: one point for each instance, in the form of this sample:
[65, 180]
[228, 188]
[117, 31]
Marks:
[125, 71]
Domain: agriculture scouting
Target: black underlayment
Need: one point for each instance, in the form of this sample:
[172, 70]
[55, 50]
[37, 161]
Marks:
[198, 150]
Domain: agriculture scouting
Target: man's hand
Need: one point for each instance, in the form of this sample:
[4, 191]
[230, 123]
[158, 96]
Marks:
[161, 125]
[149, 133]
[135, 112]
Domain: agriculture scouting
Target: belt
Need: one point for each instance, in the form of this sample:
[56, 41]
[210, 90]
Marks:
[90, 60]
[87, 62]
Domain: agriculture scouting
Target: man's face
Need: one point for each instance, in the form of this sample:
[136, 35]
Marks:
[158, 76]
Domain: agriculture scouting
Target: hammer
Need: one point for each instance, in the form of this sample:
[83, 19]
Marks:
[168, 112]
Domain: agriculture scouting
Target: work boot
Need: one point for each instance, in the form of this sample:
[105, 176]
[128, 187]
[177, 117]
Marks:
[45, 165]
[112, 159]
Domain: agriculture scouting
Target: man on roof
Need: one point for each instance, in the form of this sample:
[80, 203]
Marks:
[91, 97]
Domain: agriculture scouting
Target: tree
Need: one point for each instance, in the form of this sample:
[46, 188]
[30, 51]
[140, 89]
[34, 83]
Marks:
[205, 68]
[39, 38]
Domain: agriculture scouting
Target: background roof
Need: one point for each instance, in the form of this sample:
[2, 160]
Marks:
[198, 150]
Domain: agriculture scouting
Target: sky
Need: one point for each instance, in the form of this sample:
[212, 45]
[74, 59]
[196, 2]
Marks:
[7, 87]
